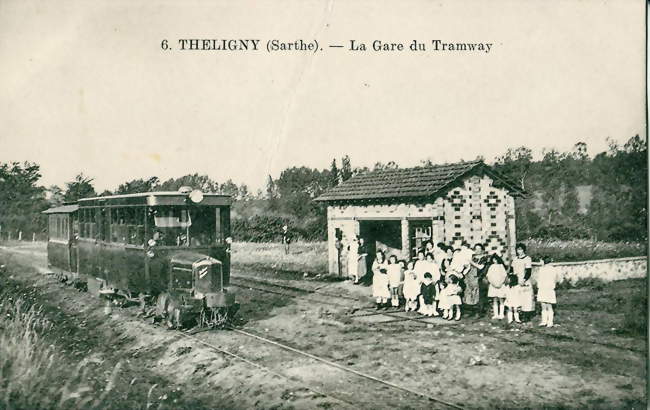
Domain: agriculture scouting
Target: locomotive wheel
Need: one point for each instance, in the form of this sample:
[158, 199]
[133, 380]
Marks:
[174, 318]
[162, 303]
[215, 317]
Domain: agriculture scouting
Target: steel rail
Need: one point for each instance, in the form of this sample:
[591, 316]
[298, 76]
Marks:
[391, 313]
[261, 367]
[346, 368]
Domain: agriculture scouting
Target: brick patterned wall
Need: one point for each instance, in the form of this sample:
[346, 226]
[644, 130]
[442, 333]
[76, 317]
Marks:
[479, 212]
[474, 212]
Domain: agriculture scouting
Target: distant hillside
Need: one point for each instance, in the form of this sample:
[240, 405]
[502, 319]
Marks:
[584, 192]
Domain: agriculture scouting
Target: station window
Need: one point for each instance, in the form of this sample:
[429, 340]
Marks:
[58, 227]
[87, 224]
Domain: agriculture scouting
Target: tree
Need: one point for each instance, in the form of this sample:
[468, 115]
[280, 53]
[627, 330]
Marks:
[195, 181]
[334, 174]
[244, 193]
[271, 194]
[81, 187]
[346, 168]
[570, 203]
[298, 186]
[54, 195]
[229, 188]
[21, 199]
[138, 185]
[619, 210]
[515, 163]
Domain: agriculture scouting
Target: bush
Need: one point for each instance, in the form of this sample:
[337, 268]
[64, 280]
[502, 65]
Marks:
[562, 232]
[594, 283]
[258, 228]
[268, 228]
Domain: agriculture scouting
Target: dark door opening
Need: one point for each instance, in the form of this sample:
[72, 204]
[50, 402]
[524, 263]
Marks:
[381, 235]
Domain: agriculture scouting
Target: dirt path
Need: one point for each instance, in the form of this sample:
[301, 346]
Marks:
[474, 363]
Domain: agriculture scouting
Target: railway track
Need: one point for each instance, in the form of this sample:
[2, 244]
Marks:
[398, 316]
[384, 395]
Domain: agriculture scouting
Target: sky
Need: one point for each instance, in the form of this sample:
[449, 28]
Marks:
[87, 88]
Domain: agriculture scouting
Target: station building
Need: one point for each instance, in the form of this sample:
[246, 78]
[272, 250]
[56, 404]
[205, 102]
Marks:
[397, 210]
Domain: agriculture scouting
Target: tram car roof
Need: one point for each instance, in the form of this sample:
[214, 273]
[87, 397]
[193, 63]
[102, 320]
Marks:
[63, 209]
[171, 198]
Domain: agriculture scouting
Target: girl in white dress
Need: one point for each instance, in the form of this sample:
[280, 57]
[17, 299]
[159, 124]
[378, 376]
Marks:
[439, 253]
[496, 275]
[432, 267]
[394, 279]
[411, 287]
[420, 266]
[547, 278]
[380, 290]
[450, 300]
[513, 298]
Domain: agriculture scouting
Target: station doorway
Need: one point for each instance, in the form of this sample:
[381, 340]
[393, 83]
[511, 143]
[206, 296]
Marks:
[385, 235]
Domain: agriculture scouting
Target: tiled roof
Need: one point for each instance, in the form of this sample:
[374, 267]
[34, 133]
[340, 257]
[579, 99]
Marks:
[402, 183]
[65, 209]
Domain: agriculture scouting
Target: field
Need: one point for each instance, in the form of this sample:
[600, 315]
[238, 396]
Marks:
[304, 257]
[69, 349]
[311, 257]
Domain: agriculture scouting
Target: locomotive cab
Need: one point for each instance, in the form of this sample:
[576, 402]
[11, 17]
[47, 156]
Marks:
[194, 239]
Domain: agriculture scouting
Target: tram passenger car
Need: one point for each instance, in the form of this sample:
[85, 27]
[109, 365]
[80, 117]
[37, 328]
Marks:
[169, 248]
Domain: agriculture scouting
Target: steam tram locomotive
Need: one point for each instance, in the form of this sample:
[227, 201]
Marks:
[167, 248]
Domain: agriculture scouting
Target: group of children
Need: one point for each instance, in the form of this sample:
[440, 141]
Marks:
[431, 284]
[434, 284]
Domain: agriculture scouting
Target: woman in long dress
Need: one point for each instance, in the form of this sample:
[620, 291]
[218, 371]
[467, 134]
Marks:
[362, 267]
[353, 260]
[471, 297]
[522, 267]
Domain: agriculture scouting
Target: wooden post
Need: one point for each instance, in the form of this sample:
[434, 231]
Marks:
[406, 243]
[33, 236]
[20, 235]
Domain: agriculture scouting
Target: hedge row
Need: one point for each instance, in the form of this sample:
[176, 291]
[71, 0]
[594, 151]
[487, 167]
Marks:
[268, 228]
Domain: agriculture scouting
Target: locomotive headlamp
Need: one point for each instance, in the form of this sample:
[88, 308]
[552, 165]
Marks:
[151, 243]
[196, 196]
